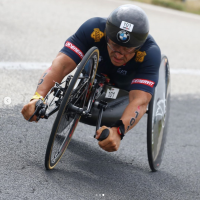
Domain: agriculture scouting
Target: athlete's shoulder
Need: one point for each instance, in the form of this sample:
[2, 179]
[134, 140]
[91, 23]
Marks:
[89, 34]
[149, 52]
[96, 21]
[93, 29]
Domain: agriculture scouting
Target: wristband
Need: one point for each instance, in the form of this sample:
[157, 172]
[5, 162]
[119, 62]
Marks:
[120, 128]
[37, 96]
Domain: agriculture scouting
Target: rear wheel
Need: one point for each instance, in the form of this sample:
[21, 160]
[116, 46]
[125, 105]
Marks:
[67, 120]
[158, 115]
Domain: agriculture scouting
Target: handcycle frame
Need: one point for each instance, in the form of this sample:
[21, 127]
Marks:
[100, 110]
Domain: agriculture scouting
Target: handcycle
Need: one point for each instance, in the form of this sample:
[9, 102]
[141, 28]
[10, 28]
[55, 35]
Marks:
[90, 98]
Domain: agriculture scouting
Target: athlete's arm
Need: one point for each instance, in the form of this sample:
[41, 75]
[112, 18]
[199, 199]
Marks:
[138, 101]
[61, 66]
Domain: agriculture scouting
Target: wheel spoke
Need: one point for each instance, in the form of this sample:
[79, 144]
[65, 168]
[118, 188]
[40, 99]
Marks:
[61, 138]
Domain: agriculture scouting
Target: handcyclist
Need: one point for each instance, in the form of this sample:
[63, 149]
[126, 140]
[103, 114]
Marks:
[129, 56]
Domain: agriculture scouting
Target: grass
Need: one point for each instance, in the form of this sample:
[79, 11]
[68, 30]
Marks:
[191, 6]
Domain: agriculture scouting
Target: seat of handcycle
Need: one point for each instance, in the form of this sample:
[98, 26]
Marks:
[117, 100]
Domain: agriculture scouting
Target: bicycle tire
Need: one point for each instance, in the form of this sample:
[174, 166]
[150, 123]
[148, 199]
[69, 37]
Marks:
[64, 116]
[158, 116]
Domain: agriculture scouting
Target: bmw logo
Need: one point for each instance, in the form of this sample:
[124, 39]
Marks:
[123, 36]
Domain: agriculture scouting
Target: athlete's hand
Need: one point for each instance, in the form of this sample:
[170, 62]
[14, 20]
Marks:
[29, 109]
[112, 142]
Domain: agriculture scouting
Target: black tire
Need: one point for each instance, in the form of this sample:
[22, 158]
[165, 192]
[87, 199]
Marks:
[158, 115]
[66, 121]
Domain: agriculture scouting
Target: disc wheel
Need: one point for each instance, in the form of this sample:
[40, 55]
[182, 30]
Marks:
[66, 120]
[158, 115]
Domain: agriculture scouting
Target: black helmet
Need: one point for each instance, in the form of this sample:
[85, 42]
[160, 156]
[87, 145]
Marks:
[128, 26]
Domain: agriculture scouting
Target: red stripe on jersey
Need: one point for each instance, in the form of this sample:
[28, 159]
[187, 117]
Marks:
[143, 82]
[74, 49]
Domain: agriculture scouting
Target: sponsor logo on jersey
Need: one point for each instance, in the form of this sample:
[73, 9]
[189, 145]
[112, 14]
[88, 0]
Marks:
[97, 35]
[121, 71]
[143, 82]
[126, 26]
[74, 49]
[140, 56]
[123, 36]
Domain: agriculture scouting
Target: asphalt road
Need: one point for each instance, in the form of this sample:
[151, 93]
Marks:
[34, 31]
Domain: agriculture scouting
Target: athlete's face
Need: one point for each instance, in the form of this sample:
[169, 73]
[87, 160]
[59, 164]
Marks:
[119, 55]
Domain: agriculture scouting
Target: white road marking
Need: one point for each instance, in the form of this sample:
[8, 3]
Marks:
[43, 66]
[185, 71]
[23, 65]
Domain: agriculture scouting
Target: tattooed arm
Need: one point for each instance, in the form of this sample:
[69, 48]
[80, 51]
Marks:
[61, 66]
[138, 101]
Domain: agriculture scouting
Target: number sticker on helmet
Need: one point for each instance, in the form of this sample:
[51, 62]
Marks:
[126, 26]
[123, 36]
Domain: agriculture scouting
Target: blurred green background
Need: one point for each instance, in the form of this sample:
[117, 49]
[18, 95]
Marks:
[192, 6]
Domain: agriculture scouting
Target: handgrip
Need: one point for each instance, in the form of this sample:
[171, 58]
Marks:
[40, 109]
[104, 134]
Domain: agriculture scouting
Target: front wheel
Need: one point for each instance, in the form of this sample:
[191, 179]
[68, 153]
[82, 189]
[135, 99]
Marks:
[66, 121]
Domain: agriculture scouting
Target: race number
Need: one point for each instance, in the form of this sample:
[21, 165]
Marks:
[112, 93]
[127, 26]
